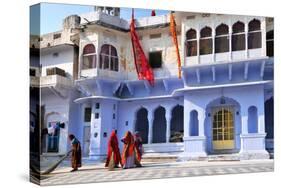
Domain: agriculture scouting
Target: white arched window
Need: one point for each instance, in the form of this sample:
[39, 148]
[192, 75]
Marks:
[191, 43]
[89, 57]
[254, 34]
[222, 39]
[206, 41]
[108, 57]
[238, 36]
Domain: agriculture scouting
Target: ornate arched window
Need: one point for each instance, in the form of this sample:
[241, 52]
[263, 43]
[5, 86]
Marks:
[89, 57]
[254, 34]
[238, 36]
[108, 57]
[191, 43]
[206, 41]
[222, 39]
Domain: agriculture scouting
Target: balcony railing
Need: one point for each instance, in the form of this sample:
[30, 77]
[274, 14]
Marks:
[55, 80]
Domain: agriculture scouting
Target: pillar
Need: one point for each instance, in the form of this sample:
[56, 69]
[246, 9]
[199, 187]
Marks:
[201, 120]
[150, 125]
[194, 146]
[168, 123]
[252, 145]
[246, 39]
[244, 120]
[230, 39]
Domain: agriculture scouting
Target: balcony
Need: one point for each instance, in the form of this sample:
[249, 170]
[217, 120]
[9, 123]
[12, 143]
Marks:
[55, 77]
[101, 73]
[34, 81]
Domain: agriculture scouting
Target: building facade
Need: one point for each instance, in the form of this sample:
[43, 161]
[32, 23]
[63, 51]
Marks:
[222, 104]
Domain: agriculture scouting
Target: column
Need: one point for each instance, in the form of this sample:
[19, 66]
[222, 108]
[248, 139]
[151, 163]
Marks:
[261, 124]
[198, 44]
[230, 39]
[246, 39]
[201, 120]
[213, 42]
[244, 121]
[186, 121]
[150, 125]
[168, 123]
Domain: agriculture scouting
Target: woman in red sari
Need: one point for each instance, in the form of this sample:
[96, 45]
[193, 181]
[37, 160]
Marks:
[128, 154]
[113, 153]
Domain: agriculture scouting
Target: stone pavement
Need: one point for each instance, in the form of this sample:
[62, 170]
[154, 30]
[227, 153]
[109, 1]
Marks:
[97, 173]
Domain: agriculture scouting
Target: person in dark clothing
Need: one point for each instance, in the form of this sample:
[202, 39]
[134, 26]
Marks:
[76, 155]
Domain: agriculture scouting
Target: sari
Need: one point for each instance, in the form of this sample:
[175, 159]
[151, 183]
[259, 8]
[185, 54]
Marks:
[113, 153]
[128, 154]
[76, 154]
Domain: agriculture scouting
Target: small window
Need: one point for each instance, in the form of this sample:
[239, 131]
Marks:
[270, 43]
[113, 116]
[222, 39]
[97, 115]
[87, 114]
[254, 34]
[109, 58]
[155, 59]
[56, 54]
[191, 43]
[32, 72]
[114, 106]
[56, 36]
[206, 41]
[89, 57]
[155, 36]
[97, 105]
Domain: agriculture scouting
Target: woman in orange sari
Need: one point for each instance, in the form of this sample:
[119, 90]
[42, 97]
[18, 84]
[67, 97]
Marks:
[113, 153]
[128, 154]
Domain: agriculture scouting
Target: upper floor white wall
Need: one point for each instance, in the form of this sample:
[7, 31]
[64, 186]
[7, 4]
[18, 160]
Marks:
[60, 56]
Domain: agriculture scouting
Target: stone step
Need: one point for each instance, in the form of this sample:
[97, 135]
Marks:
[226, 157]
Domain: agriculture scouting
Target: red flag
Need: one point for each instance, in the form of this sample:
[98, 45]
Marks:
[173, 30]
[143, 68]
[153, 13]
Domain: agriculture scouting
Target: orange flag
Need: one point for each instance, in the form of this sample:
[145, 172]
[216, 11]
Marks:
[173, 30]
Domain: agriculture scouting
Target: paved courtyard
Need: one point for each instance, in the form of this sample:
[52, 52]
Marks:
[97, 173]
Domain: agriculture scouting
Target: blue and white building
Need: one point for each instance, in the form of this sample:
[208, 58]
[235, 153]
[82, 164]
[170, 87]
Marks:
[223, 104]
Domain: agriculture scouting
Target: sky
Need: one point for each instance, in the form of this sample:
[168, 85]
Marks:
[52, 15]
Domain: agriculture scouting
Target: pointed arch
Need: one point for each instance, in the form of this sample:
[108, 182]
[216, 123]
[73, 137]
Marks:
[191, 43]
[238, 36]
[141, 124]
[206, 41]
[222, 39]
[254, 34]
[159, 125]
[176, 128]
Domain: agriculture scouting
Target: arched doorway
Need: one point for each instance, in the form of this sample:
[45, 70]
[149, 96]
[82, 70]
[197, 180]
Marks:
[223, 125]
[142, 124]
[177, 124]
[223, 128]
[159, 126]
